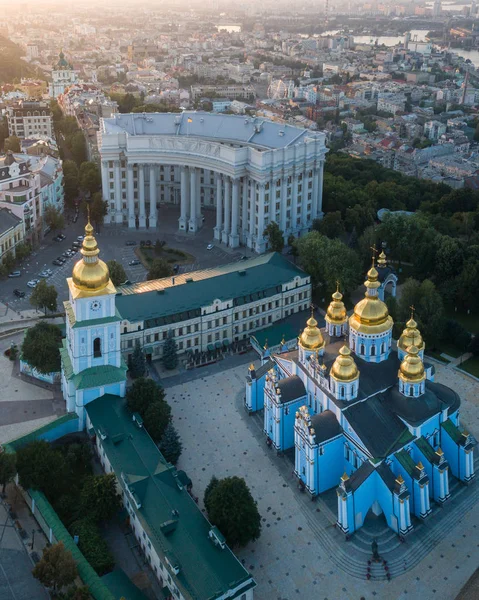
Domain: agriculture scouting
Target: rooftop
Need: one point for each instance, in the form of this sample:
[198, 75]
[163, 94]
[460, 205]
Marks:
[244, 281]
[217, 127]
[7, 220]
[206, 571]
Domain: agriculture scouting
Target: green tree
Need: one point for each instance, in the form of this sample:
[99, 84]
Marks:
[274, 235]
[99, 498]
[78, 147]
[142, 394]
[92, 545]
[53, 218]
[71, 181]
[170, 354]
[12, 144]
[43, 468]
[170, 445]
[159, 268]
[476, 133]
[429, 309]
[3, 131]
[157, 418]
[22, 250]
[331, 225]
[98, 209]
[8, 469]
[44, 296]
[117, 272]
[329, 261]
[41, 347]
[159, 245]
[90, 177]
[56, 569]
[137, 362]
[233, 510]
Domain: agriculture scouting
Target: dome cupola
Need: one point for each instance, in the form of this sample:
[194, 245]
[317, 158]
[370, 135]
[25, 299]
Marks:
[311, 340]
[412, 375]
[344, 375]
[410, 337]
[336, 316]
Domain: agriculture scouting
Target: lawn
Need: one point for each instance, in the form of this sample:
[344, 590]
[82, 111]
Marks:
[449, 349]
[437, 356]
[469, 321]
[172, 255]
[471, 366]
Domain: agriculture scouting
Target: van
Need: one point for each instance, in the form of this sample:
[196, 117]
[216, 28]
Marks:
[15, 274]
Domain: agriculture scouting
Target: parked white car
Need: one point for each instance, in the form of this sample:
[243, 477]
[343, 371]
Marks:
[33, 283]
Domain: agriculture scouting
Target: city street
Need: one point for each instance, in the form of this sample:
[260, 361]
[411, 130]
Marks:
[112, 242]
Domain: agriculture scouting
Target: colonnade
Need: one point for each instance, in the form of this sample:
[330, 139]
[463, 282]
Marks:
[292, 198]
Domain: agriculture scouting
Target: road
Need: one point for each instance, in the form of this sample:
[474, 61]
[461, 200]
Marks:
[112, 243]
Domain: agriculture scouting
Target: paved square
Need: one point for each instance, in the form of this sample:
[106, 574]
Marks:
[289, 561]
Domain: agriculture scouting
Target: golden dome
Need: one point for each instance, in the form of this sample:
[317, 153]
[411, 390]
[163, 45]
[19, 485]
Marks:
[371, 314]
[344, 368]
[412, 367]
[382, 260]
[411, 337]
[90, 274]
[336, 313]
[311, 338]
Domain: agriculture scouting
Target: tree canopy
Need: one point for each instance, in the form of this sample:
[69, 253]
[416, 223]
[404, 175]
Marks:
[41, 347]
[274, 235]
[53, 218]
[142, 393]
[99, 498]
[8, 469]
[117, 272]
[57, 568]
[44, 296]
[159, 268]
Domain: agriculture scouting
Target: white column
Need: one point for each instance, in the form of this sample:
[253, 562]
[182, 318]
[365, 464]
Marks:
[252, 212]
[234, 238]
[199, 216]
[244, 212]
[131, 196]
[294, 202]
[284, 201]
[152, 219]
[319, 214]
[227, 198]
[141, 194]
[183, 220]
[192, 224]
[219, 207]
[260, 243]
[105, 190]
[304, 199]
[314, 203]
[118, 199]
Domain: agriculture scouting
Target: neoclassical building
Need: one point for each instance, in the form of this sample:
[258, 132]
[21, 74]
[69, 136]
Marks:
[253, 171]
[363, 417]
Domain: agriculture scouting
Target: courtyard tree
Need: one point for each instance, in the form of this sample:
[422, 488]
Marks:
[98, 209]
[157, 418]
[159, 268]
[117, 272]
[8, 469]
[170, 445]
[274, 235]
[78, 147]
[142, 394]
[90, 177]
[137, 362]
[53, 218]
[56, 569]
[70, 181]
[44, 296]
[99, 498]
[12, 144]
[44, 468]
[331, 225]
[41, 347]
[92, 545]
[170, 353]
[232, 508]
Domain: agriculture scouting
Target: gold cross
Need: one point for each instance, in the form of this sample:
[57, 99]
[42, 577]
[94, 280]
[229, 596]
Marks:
[375, 251]
[337, 286]
[412, 311]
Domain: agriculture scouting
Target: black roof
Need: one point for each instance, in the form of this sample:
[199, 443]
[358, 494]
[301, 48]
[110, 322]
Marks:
[326, 426]
[387, 476]
[359, 476]
[379, 429]
[260, 371]
[291, 388]
[384, 272]
[7, 220]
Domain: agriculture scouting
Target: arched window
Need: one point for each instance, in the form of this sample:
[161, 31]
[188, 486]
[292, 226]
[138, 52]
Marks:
[382, 348]
[342, 391]
[363, 350]
[97, 347]
[373, 350]
[411, 391]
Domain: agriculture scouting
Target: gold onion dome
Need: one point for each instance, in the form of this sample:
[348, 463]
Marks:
[90, 274]
[371, 314]
[336, 313]
[344, 368]
[412, 367]
[382, 260]
[411, 337]
[311, 338]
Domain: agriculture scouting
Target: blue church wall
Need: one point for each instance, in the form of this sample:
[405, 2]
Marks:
[384, 497]
[362, 500]
[429, 427]
[330, 465]
[352, 456]
[411, 484]
[94, 393]
[257, 393]
[454, 455]
[288, 416]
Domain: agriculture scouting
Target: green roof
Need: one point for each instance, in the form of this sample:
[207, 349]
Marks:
[90, 578]
[405, 460]
[121, 586]
[426, 448]
[453, 432]
[92, 322]
[244, 281]
[14, 445]
[174, 523]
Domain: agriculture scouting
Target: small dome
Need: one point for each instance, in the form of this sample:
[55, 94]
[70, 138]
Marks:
[336, 313]
[382, 260]
[412, 367]
[90, 273]
[344, 368]
[411, 337]
[371, 315]
[311, 338]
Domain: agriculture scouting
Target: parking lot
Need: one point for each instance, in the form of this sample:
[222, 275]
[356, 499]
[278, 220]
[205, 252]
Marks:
[112, 242]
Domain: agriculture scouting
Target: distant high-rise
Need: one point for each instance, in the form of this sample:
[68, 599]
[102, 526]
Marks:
[436, 9]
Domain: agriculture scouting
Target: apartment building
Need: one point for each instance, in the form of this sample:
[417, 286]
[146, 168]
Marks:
[28, 119]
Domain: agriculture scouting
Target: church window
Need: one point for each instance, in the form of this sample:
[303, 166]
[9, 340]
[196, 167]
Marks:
[362, 351]
[321, 451]
[97, 347]
[139, 327]
[382, 348]
[373, 350]
[342, 392]
[304, 470]
[411, 390]
[286, 411]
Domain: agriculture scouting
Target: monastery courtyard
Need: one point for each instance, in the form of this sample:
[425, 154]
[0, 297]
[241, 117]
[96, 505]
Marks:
[293, 553]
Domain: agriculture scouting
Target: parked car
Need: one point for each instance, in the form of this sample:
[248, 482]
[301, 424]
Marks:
[76, 244]
[134, 262]
[44, 274]
[61, 260]
[130, 243]
[73, 250]
[80, 238]
[19, 293]
[210, 246]
[56, 262]
[15, 274]
[33, 283]
[148, 243]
